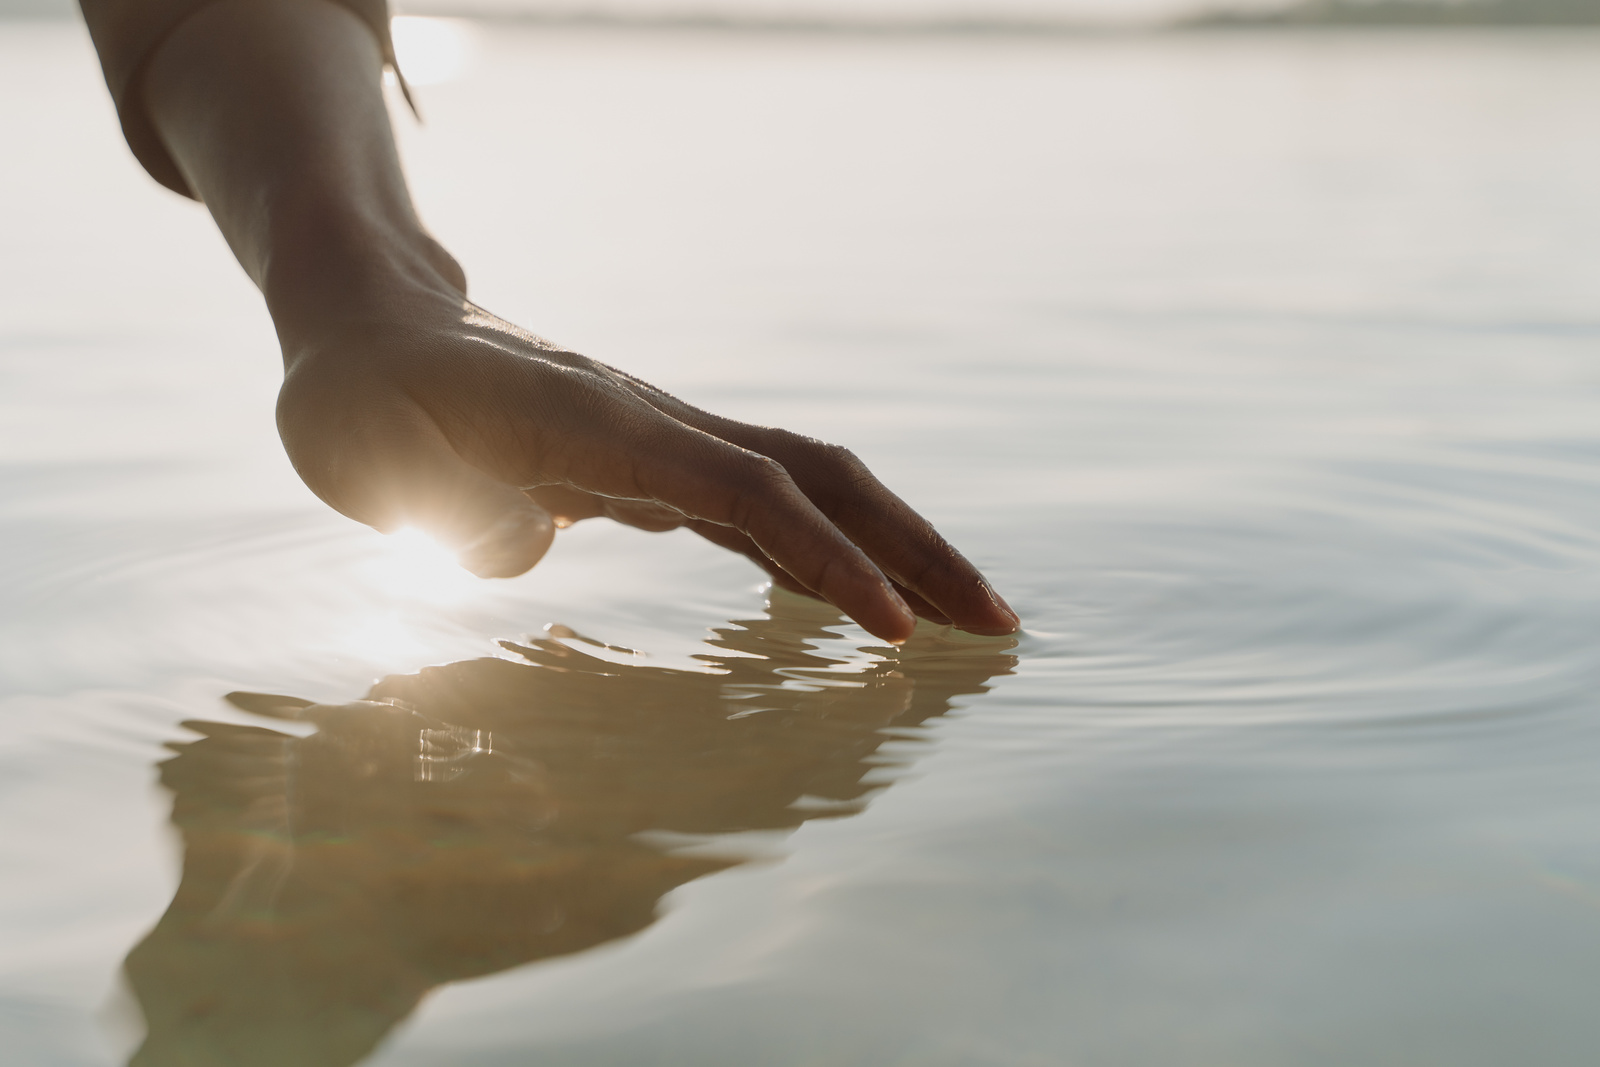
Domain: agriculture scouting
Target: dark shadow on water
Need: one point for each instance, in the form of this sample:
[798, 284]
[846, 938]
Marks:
[487, 814]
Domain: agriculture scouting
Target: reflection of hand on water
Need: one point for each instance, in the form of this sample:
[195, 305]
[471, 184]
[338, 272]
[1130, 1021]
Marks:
[489, 813]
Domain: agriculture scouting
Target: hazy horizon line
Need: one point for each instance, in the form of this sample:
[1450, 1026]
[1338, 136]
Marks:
[1220, 15]
[1307, 14]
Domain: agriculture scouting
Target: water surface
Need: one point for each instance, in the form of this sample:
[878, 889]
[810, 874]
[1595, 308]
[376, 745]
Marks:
[1259, 372]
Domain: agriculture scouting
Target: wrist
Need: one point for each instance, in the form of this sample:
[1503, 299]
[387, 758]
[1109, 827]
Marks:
[328, 265]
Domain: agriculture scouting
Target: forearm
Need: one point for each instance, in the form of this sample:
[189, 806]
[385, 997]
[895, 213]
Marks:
[274, 113]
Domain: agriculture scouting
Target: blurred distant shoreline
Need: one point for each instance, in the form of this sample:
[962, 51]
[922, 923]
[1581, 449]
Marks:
[1221, 15]
[1303, 14]
[1403, 13]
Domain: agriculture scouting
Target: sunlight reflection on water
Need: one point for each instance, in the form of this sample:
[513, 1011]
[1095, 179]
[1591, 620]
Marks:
[413, 565]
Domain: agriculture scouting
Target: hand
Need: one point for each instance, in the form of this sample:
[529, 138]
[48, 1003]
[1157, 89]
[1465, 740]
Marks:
[490, 438]
[405, 403]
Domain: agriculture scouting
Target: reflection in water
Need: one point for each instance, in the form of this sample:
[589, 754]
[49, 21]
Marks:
[485, 814]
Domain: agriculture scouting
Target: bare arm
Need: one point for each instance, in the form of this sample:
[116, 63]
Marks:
[404, 403]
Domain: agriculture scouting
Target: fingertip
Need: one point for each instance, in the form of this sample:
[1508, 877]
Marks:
[1013, 621]
[512, 544]
[902, 622]
[1001, 623]
[990, 631]
[1006, 610]
[996, 619]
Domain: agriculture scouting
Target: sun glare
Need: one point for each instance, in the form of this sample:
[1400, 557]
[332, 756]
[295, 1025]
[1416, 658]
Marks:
[383, 639]
[414, 566]
[432, 50]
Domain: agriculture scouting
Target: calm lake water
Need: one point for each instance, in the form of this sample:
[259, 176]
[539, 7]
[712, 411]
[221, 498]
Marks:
[1260, 372]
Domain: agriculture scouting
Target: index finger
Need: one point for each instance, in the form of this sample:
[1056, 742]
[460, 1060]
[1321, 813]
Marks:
[899, 540]
[708, 478]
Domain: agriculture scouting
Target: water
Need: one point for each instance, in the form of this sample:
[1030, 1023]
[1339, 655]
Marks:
[1259, 373]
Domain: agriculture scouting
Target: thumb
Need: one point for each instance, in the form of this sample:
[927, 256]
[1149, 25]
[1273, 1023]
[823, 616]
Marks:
[514, 542]
[402, 472]
[497, 530]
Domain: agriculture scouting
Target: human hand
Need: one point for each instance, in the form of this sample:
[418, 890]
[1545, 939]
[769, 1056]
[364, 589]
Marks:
[454, 421]
[404, 403]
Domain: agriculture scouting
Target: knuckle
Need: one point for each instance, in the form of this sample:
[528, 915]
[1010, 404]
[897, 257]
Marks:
[813, 452]
[761, 474]
[827, 577]
[780, 441]
[757, 481]
[844, 462]
[918, 576]
[836, 477]
[939, 570]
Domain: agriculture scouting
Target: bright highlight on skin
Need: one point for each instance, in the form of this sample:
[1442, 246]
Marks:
[432, 50]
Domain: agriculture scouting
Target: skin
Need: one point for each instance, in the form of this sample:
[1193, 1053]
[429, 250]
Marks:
[405, 404]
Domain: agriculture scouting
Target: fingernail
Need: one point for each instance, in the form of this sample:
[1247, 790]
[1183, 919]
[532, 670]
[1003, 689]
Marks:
[905, 609]
[1005, 609]
[906, 614]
